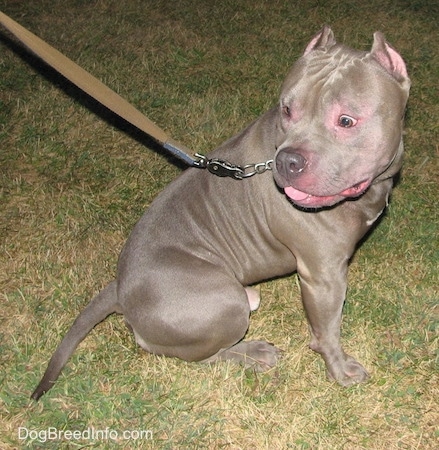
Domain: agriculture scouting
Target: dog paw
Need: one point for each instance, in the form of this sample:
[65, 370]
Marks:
[348, 373]
[257, 355]
[260, 355]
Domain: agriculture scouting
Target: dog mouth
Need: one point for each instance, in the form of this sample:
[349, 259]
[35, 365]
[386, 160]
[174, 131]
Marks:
[305, 199]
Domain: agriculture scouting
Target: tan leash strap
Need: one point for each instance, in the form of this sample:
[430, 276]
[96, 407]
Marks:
[93, 87]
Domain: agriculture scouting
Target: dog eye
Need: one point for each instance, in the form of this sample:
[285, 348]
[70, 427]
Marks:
[286, 110]
[346, 121]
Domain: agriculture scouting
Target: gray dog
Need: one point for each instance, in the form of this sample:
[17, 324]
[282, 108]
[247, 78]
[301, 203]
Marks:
[184, 274]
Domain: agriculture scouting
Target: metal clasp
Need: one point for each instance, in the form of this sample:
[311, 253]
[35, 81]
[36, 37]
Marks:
[223, 168]
[219, 167]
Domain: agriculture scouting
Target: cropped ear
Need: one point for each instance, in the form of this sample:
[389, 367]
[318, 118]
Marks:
[388, 57]
[323, 40]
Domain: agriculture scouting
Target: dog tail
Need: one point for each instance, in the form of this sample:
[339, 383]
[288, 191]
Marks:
[96, 311]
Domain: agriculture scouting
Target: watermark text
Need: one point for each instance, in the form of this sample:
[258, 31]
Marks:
[88, 434]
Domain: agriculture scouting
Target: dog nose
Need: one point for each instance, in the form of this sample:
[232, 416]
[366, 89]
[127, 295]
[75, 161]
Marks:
[290, 163]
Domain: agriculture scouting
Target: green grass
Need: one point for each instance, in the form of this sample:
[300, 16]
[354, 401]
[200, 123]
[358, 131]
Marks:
[74, 181]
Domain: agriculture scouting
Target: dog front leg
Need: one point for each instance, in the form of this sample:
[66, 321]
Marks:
[323, 295]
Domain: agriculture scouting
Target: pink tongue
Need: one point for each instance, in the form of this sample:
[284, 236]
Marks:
[294, 194]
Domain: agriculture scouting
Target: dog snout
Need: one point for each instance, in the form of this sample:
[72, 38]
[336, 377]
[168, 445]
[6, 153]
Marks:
[290, 163]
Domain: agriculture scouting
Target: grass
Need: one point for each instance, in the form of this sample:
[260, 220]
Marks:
[74, 181]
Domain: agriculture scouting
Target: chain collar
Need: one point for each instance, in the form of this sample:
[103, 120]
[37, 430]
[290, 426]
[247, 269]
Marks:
[223, 168]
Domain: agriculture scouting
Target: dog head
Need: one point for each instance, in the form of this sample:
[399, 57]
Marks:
[340, 121]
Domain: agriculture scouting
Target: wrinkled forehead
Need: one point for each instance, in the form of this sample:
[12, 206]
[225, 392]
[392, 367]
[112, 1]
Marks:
[342, 75]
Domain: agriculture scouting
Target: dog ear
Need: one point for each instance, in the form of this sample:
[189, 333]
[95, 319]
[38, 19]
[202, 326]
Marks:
[323, 40]
[388, 58]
